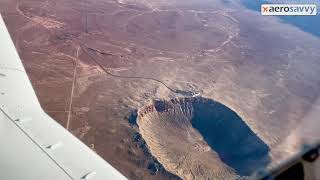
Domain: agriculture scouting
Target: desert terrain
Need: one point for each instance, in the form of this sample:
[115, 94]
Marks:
[150, 85]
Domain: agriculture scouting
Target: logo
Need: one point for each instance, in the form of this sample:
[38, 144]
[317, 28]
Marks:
[289, 9]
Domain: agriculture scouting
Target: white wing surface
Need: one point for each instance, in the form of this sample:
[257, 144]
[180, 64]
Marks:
[33, 146]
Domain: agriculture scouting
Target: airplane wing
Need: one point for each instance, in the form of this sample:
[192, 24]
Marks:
[33, 145]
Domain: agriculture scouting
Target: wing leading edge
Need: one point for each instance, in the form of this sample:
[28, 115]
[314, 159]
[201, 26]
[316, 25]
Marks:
[33, 145]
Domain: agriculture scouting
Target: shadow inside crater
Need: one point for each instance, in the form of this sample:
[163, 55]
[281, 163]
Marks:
[228, 135]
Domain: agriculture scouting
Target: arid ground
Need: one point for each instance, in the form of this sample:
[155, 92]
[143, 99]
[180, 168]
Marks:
[101, 68]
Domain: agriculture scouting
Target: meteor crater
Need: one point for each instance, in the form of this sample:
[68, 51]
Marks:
[199, 138]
